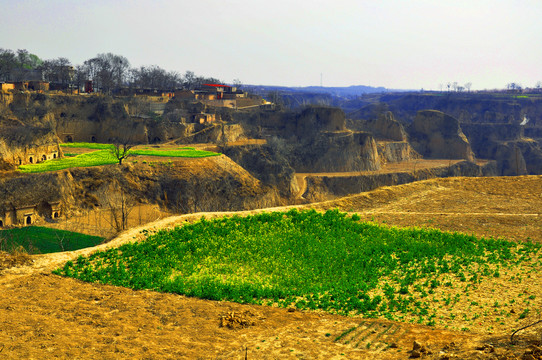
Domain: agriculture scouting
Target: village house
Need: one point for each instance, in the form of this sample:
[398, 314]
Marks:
[203, 118]
[25, 215]
[18, 147]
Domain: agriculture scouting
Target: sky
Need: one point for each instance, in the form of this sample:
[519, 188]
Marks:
[397, 44]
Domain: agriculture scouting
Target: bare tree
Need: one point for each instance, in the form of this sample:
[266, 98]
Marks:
[107, 71]
[58, 71]
[118, 201]
[237, 83]
[121, 149]
[468, 86]
[454, 86]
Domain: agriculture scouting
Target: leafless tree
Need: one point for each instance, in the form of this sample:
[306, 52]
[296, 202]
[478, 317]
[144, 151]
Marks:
[454, 86]
[468, 86]
[121, 149]
[58, 71]
[107, 71]
[118, 201]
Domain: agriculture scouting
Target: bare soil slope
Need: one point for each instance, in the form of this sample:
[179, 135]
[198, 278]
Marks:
[45, 316]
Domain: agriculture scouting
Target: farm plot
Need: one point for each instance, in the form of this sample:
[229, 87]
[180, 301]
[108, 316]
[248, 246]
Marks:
[42, 240]
[103, 156]
[332, 262]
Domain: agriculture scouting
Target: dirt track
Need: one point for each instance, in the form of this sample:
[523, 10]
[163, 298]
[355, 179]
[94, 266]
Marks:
[45, 316]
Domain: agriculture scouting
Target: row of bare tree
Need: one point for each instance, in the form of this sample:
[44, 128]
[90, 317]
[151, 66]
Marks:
[109, 72]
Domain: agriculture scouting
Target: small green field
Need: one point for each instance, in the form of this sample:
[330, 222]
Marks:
[103, 156]
[95, 158]
[42, 240]
[310, 260]
[86, 145]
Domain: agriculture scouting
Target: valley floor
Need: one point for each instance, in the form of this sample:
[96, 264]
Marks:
[47, 316]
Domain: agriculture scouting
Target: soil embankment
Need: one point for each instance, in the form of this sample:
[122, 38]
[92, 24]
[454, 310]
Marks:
[326, 186]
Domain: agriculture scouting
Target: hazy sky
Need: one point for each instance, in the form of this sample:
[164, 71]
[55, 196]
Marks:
[409, 44]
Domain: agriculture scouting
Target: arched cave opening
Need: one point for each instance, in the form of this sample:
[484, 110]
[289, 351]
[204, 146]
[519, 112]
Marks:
[28, 220]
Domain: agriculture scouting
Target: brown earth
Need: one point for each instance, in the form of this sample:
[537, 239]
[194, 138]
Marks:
[45, 316]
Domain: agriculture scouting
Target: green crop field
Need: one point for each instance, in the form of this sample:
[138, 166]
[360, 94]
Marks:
[182, 152]
[103, 156]
[311, 260]
[86, 145]
[95, 158]
[42, 240]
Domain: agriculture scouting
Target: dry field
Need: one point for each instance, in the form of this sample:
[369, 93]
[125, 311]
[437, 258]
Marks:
[44, 316]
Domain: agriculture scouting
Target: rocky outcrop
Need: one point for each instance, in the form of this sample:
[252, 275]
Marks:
[396, 151]
[434, 134]
[315, 119]
[336, 151]
[268, 163]
[505, 143]
[510, 160]
[480, 134]
[532, 153]
[385, 127]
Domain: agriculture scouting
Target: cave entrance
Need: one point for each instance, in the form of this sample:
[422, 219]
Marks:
[54, 156]
[28, 220]
[55, 215]
[93, 139]
[1, 223]
[31, 160]
[44, 157]
[69, 138]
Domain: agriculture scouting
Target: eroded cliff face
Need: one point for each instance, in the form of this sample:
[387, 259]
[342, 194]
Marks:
[465, 107]
[268, 163]
[27, 145]
[384, 127]
[336, 151]
[396, 151]
[506, 143]
[434, 134]
[322, 188]
[190, 185]
[104, 119]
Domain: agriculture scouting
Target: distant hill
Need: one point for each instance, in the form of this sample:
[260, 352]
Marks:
[345, 92]
[293, 97]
